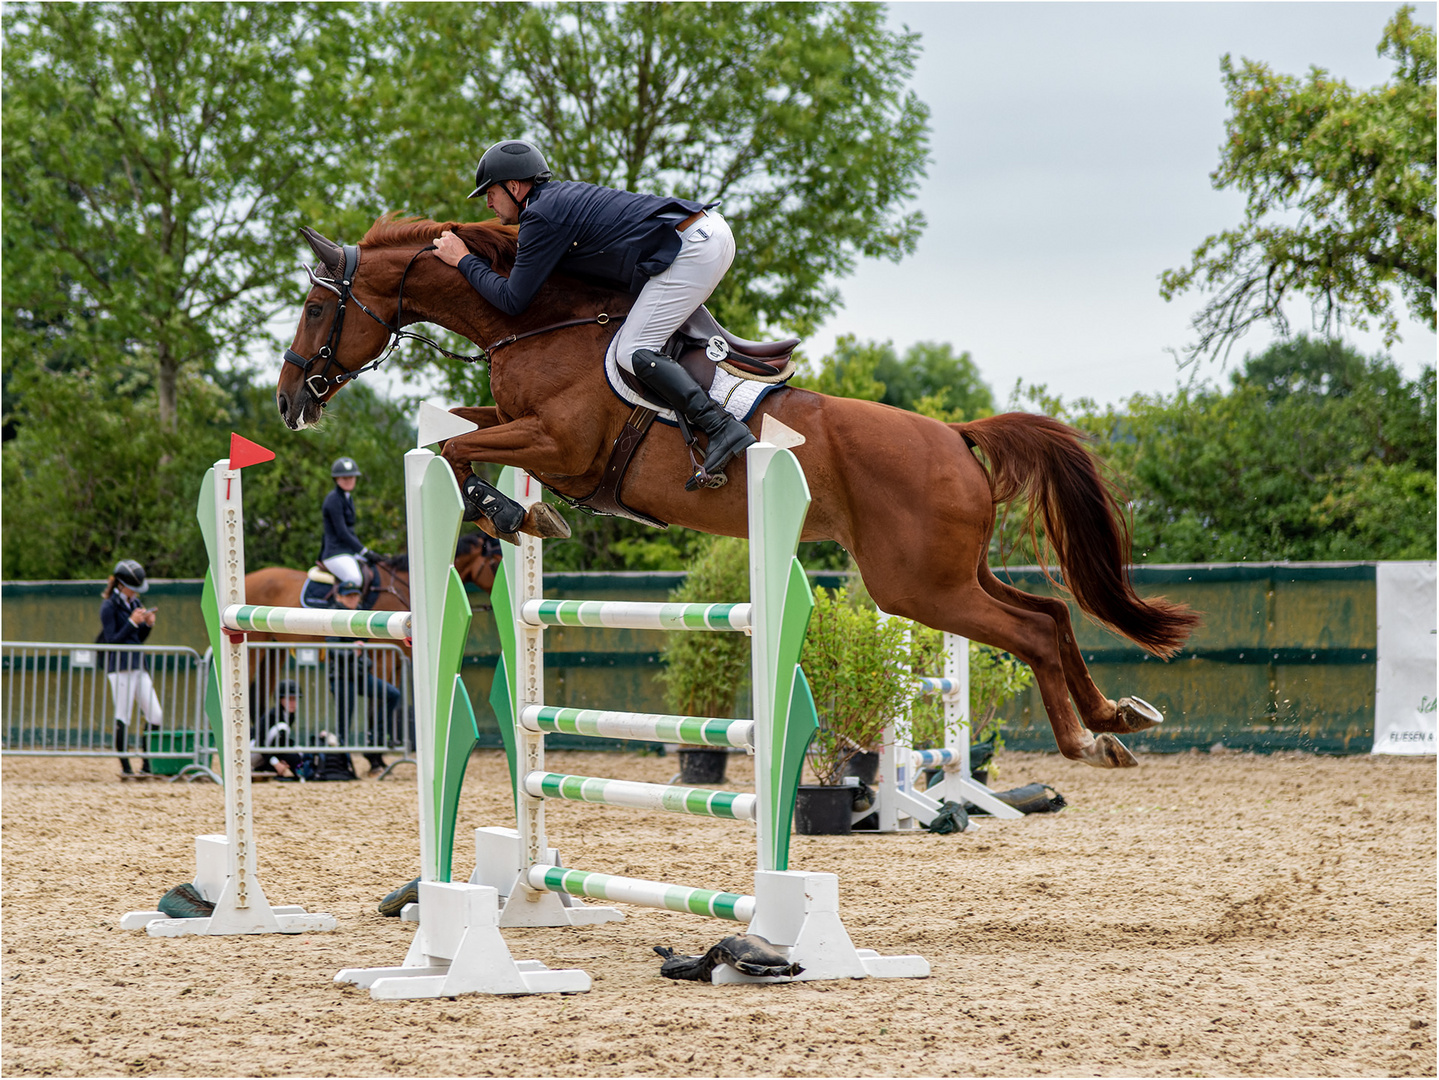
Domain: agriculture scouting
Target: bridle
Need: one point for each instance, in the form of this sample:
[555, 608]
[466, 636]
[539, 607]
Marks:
[318, 383]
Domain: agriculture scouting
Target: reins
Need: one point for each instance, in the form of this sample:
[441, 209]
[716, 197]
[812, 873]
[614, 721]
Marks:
[317, 384]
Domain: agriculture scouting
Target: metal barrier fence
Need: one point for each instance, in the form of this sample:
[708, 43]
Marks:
[59, 699]
[354, 696]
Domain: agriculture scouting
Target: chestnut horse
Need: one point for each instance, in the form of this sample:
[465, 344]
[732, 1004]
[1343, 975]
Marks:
[905, 495]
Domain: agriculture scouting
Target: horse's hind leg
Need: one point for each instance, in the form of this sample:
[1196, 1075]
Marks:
[1099, 713]
[1032, 636]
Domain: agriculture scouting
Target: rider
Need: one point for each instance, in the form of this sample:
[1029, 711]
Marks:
[341, 550]
[672, 252]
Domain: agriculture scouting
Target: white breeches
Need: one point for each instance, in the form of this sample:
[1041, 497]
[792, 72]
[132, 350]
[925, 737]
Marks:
[131, 688]
[667, 300]
[344, 567]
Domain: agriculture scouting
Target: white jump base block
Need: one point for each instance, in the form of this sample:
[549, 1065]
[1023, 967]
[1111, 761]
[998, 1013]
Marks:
[258, 916]
[457, 950]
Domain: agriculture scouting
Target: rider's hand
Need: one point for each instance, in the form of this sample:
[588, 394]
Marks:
[450, 248]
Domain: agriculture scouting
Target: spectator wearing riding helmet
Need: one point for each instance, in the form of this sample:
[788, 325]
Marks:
[672, 252]
[341, 550]
[124, 620]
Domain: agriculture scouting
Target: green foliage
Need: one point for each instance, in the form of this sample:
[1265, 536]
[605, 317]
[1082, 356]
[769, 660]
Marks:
[929, 378]
[127, 489]
[795, 115]
[995, 678]
[158, 160]
[1340, 187]
[1313, 453]
[850, 657]
[708, 674]
[154, 158]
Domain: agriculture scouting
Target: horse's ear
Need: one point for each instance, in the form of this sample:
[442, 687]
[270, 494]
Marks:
[330, 253]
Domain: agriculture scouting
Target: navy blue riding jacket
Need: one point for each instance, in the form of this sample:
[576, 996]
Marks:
[614, 238]
[338, 512]
[117, 629]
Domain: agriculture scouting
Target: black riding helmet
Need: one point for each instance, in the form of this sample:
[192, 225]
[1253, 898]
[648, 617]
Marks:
[512, 159]
[131, 574]
[345, 467]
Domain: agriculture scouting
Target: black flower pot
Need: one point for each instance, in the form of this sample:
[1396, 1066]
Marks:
[823, 810]
[863, 764]
[703, 766]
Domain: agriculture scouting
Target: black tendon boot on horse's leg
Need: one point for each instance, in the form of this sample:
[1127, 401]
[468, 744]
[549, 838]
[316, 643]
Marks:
[483, 499]
[673, 385]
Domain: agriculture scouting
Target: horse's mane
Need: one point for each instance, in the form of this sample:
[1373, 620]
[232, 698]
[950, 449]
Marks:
[488, 239]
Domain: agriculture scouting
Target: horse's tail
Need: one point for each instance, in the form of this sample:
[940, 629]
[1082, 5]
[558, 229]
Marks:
[1048, 463]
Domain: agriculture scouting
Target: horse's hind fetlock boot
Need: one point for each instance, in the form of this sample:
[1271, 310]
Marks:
[483, 499]
[673, 385]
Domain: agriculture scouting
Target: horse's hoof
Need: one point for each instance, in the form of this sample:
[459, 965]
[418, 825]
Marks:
[1136, 714]
[545, 521]
[1107, 752]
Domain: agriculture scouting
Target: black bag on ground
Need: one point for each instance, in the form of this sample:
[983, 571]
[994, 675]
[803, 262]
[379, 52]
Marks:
[334, 767]
[1030, 799]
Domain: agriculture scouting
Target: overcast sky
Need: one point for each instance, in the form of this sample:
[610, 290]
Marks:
[1071, 151]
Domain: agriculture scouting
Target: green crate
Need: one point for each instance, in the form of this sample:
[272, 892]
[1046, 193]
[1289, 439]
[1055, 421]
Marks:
[161, 742]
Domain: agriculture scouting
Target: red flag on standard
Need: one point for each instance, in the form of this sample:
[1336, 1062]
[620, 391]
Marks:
[243, 452]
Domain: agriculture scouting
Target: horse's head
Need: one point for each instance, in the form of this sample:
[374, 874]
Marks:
[328, 349]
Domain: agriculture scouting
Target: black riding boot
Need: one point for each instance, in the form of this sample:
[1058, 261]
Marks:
[483, 499]
[673, 385]
[121, 730]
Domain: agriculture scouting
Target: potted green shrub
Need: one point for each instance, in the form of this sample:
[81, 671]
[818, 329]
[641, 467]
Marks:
[707, 674]
[851, 657]
[995, 677]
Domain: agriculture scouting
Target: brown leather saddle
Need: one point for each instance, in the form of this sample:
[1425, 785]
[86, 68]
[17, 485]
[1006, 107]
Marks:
[700, 345]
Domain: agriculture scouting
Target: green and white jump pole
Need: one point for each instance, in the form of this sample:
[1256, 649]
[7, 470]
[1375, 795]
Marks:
[797, 911]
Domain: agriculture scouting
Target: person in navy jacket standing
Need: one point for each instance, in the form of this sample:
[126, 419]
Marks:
[125, 620]
[672, 252]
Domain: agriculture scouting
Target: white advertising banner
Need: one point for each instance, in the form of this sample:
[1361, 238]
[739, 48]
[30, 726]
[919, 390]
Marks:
[1405, 675]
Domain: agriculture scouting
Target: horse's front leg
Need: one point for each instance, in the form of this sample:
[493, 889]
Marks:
[525, 443]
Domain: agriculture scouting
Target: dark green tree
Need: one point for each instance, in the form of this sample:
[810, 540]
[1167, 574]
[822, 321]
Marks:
[1314, 452]
[1340, 188]
[929, 378]
[157, 159]
[795, 117]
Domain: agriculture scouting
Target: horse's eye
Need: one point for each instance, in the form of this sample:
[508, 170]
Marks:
[314, 311]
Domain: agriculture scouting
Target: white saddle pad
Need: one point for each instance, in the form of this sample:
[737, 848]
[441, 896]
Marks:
[739, 397]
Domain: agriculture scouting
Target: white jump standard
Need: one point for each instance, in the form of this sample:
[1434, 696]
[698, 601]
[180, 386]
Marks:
[796, 911]
[898, 806]
[225, 871]
[457, 948]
